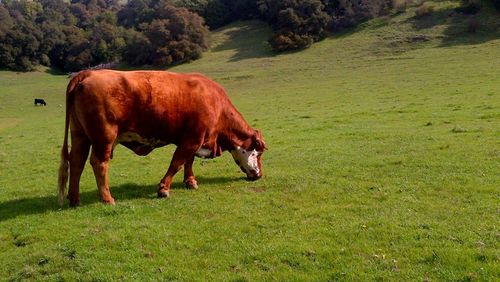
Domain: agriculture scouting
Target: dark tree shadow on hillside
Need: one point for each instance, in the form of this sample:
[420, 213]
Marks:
[434, 18]
[248, 40]
[130, 191]
[457, 30]
[56, 71]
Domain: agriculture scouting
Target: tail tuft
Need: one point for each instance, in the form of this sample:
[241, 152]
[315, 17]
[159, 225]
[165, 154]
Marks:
[63, 176]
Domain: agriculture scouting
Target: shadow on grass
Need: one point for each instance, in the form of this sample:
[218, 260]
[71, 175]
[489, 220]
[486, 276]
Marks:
[39, 205]
[457, 31]
[248, 40]
[56, 71]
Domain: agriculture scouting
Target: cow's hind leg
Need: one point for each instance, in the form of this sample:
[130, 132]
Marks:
[80, 146]
[189, 179]
[99, 159]
[182, 155]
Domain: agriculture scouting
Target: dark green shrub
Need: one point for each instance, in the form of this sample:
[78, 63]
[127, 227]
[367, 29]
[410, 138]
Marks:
[220, 12]
[469, 7]
[176, 35]
[77, 34]
[496, 4]
[473, 25]
[297, 23]
[347, 13]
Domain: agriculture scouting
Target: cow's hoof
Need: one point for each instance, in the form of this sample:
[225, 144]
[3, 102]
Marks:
[110, 202]
[74, 204]
[163, 193]
[191, 184]
[74, 201]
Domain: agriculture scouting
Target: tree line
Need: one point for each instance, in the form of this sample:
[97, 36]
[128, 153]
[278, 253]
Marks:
[81, 33]
[74, 35]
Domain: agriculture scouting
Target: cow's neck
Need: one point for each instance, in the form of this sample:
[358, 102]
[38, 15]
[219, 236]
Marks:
[237, 132]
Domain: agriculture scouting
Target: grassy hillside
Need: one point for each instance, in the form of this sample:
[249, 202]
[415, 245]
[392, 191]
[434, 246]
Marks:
[383, 165]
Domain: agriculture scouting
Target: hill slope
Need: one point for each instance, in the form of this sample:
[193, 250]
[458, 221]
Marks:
[383, 164]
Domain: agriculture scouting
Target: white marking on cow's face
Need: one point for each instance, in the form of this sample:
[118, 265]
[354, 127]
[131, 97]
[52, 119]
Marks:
[248, 161]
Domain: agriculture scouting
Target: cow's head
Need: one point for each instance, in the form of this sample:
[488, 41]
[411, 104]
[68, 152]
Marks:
[248, 156]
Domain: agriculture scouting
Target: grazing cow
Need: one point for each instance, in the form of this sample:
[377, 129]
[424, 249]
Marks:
[40, 101]
[144, 110]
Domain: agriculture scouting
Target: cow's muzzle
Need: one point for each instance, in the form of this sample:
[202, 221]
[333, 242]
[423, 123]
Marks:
[253, 176]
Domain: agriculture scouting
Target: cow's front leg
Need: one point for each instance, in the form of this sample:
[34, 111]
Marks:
[189, 179]
[181, 156]
[99, 159]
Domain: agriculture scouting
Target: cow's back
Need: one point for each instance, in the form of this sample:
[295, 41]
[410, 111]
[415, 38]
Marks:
[155, 104]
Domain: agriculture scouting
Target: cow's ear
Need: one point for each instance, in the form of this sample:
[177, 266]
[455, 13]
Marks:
[258, 142]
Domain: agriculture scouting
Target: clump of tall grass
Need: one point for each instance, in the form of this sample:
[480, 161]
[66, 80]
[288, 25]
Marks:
[469, 7]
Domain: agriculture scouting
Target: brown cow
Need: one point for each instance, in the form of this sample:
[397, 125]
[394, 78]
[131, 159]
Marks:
[144, 110]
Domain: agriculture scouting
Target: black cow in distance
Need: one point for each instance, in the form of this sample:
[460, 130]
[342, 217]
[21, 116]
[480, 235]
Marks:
[40, 101]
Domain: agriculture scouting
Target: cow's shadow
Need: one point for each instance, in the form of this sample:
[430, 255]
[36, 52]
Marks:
[39, 205]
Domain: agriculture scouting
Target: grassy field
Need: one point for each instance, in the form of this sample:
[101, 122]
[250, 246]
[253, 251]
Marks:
[384, 164]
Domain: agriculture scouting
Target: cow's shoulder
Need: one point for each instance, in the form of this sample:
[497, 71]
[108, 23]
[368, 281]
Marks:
[196, 79]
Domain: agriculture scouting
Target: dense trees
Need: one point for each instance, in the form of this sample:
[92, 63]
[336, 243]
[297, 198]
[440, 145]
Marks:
[220, 12]
[76, 35]
[162, 34]
[346, 13]
[299, 23]
[496, 4]
[81, 33]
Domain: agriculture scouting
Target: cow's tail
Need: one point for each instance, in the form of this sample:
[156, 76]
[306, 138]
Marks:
[64, 166]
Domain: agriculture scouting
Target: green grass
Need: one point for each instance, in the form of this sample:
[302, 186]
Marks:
[384, 164]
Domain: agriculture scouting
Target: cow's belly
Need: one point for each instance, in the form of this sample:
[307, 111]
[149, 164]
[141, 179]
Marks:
[139, 145]
[204, 153]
